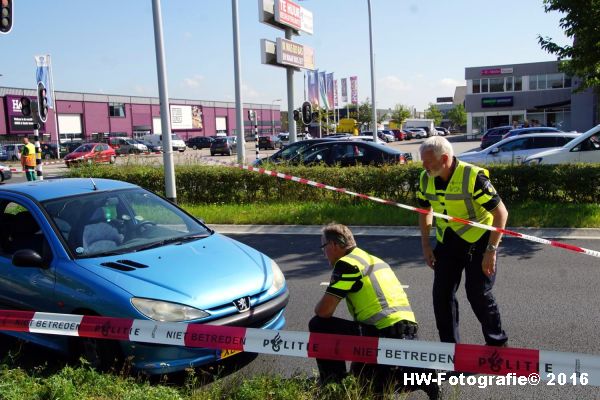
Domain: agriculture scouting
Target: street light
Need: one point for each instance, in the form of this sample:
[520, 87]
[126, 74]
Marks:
[272, 120]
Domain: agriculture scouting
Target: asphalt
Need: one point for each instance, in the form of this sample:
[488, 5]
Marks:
[407, 231]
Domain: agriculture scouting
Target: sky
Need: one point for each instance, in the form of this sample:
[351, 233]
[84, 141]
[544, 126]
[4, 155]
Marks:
[421, 47]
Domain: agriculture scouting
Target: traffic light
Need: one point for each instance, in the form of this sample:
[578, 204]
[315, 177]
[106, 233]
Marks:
[6, 16]
[42, 101]
[296, 115]
[306, 113]
[26, 106]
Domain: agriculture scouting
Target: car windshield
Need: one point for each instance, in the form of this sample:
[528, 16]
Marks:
[118, 222]
[292, 150]
[175, 137]
[86, 148]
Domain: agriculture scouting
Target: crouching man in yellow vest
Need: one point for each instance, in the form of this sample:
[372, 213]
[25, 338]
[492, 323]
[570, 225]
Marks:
[28, 159]
[375, 299]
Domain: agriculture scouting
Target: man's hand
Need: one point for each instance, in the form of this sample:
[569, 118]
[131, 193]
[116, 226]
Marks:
[428, 255]
[488, 265]
[327, 305]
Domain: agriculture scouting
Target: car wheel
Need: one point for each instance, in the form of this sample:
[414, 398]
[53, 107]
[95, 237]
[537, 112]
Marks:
[112, 159]
[101, 354]
[14, 158]
[228, 153]
[212, 154]
[194, 147]
[1, 177]
[47, 156]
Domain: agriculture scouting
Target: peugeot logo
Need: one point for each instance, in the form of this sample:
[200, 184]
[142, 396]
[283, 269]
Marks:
[242, 304]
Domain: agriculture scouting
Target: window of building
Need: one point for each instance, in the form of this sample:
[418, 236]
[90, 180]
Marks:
[549, 81]
[484, 86]
[509, 83]
[518, 83]
[554, 81]
[116, 109]
[496, 84]
[476, 86]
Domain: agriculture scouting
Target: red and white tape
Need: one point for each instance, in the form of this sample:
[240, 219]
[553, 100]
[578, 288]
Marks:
[412, 353]
[309, 182]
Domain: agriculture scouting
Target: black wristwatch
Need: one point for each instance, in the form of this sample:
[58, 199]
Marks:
[491, 247]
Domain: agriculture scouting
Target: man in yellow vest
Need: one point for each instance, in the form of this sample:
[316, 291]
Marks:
[375, 299]
[455, 188]
[28, 159]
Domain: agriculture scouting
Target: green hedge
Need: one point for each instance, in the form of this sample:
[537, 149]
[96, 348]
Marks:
[215, 184]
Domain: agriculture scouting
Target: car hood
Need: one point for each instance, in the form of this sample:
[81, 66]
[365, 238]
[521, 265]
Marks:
[76, 155]
[544, 153]
[204, 274]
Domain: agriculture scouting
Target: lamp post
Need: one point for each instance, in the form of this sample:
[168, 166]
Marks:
[272, 120]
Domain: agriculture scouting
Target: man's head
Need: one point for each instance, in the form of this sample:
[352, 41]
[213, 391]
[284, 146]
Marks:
[336, 241]
[437, 154]
[25, 140]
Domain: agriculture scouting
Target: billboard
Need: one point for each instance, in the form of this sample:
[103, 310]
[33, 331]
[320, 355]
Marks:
[186, 117]
[284, 14]
[17, 123]
[290, 53]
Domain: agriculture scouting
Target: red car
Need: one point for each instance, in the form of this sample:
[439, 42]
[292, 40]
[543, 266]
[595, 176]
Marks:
[91, 153]
[398, 134]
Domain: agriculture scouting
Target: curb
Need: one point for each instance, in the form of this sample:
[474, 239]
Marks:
[407, 231]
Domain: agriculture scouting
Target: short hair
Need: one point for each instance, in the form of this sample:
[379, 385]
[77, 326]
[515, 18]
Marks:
[439, 145]
[339, 234]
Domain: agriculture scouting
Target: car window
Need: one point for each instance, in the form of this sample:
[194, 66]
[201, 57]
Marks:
[120, 222]
[86, 148]
[20, 230]
[515, 145]
[543, 142]
[590, 144]
[315, 154]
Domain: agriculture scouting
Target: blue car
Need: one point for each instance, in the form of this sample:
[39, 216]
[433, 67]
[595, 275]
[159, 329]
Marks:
[110, 248]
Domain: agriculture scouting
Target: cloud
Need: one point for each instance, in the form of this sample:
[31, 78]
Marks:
[394, 84]
[193, 82]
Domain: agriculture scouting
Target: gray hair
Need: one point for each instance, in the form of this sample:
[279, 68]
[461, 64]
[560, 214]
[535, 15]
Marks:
[439, 145]
[340, 234]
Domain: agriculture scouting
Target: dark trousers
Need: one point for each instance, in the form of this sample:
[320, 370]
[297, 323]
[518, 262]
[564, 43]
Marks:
[379, 376]
[452, 257]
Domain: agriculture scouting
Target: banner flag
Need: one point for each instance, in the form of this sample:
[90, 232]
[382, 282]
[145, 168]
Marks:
[313, 87]
[335, 93]
[42, 74]
[354, 89]
[330, 97]
[323, 89]
[344, 90]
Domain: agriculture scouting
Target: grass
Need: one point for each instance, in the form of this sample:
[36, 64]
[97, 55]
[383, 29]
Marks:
[532, 214]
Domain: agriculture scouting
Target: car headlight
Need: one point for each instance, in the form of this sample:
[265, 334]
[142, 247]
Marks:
[166, 311]
[533, 161]
[278, 279]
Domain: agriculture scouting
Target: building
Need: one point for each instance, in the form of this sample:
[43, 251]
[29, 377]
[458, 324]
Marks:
[95, 117]
[532, 93]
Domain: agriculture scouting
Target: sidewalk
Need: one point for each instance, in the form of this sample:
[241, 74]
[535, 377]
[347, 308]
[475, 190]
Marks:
[547, 233]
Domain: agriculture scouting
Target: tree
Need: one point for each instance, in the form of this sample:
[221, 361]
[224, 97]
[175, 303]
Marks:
[400, 114]
[580, 23]
[434, 113]
[458, 115]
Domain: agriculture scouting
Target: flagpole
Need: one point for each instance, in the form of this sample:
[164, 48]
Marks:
[55, 106]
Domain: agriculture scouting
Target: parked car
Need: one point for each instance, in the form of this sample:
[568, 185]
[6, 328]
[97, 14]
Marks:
[13, 151]
[199, 142]
[514, 150]
[91, 153]
[224, 145]
[349, 153]
[385, 136]
[3, 154]
[418, 133]
[584, 149]
[49, 151]
[399, 134]
[109, 248]
[527, 131]
[127, 146]
[284, 136]
[442, 131]
[5, 173]
[152, 147]
[177, 143]
[367, 137]
[494, 135]
[269, 142]
[290, 151]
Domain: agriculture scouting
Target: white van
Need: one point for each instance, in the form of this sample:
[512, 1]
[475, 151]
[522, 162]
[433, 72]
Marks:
[176, 142]
[584, 149]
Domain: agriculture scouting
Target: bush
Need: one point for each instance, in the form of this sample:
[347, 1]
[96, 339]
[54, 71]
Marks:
[199, 184]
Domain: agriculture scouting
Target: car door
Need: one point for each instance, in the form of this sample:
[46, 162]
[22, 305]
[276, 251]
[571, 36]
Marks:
[589, 150]
[512, 152]
[24, 288]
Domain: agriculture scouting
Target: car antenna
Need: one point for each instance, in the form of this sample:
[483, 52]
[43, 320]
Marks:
[93, 183]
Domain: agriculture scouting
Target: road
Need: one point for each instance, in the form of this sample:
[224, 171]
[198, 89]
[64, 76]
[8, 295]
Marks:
[547, 296]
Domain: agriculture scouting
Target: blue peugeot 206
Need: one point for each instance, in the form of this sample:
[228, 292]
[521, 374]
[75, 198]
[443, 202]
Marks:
[110, 248]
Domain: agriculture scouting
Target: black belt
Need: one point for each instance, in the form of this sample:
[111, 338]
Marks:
[400, 330]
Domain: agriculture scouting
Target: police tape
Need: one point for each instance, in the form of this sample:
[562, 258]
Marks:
[465, 358]
[553, 243]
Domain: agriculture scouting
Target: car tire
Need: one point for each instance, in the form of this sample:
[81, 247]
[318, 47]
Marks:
[1, 177]
[194, 147]
[113, 159]
[212, 154]
[101, 354]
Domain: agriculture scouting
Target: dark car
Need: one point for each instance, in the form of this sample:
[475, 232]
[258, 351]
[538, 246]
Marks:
[494, 135]
[199, 142]
[533, 129]
[226, 145]
[270, 142]
[348, 153]
[3, 154]
[291, 151]
[49, 151]
[5, 173]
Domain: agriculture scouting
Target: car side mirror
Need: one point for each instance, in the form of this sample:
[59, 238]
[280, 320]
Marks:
[495, 150]
[28, 258]
[319, 157]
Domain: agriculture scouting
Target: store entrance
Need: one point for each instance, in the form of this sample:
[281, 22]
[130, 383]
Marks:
[497, 120]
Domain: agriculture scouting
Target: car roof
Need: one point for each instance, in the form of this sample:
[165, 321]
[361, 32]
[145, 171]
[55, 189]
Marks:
[532, 128]
[534, 135]
[57, 188]
[375, 146]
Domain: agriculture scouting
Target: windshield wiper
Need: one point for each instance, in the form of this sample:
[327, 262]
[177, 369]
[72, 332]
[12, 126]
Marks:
[175, 240]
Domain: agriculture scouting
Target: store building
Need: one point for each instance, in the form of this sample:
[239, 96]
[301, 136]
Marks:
[95, 117]
[533, 93]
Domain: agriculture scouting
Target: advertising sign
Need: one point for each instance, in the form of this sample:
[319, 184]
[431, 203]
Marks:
[186, 117]
[504, 101]
[313, 87]
[290, 53]
[354, 89]
[288, 13]
[17, 123]
[283, 14]
[344, 90]
[329, 83]
[496, 71]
